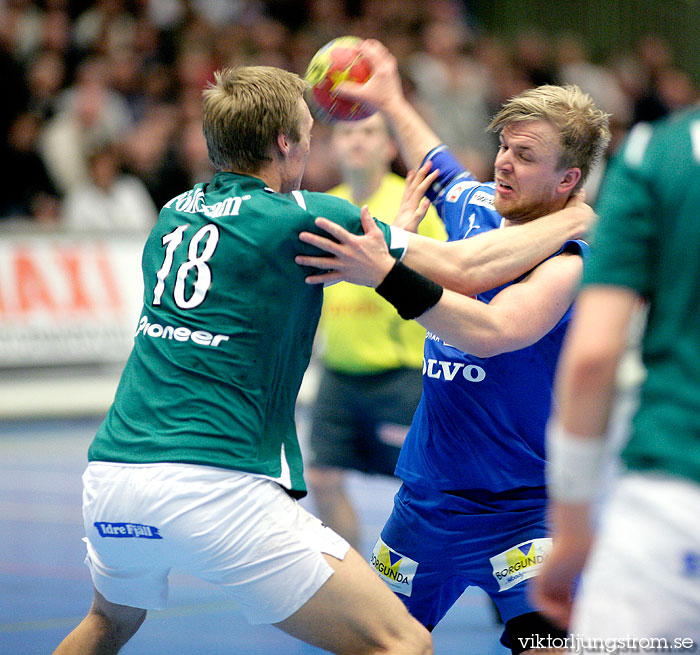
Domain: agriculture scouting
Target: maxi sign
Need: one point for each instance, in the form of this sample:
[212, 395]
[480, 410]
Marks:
[68, 300]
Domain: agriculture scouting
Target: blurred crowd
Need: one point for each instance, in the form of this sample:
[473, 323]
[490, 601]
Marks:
[102, 104]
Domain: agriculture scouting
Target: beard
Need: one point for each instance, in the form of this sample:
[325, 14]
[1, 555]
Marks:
[519, 212]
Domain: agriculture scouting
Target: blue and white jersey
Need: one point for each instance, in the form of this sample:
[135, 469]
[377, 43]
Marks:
[480, 422]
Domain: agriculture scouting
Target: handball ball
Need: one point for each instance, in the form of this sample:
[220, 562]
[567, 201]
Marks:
[337, 61]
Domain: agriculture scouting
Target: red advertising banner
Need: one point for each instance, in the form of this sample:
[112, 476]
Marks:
[68, 299]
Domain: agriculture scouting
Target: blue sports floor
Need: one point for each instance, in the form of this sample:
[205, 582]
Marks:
[45, 588]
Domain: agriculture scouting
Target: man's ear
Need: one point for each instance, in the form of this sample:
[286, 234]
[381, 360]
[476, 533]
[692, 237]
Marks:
[282, 143]
[571, 178]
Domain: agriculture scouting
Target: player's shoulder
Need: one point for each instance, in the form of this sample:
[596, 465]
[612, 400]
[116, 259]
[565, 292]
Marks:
[468, 191]
[657, 139]
[319, 203]
[680, 129]
[679, 120]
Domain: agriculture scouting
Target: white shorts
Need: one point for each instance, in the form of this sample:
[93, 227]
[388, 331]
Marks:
[642, 580]
[241, 532]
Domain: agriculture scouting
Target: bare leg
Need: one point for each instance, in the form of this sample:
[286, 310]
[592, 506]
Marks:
[105, 629]
[333, 506]
[354, 612]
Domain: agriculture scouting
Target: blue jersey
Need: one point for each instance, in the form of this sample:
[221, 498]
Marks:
[480, 423]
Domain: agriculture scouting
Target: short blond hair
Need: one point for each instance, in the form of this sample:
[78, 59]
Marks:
[584, 133]
[244, 110]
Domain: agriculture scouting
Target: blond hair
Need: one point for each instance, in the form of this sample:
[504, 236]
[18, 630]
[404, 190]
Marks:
[583, 128]
[244, 110]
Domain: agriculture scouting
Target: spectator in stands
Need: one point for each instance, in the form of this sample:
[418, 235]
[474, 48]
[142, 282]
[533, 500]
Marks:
[110, 200]
[452, 90]
[532, 54]
[89, 114]
[26, 190]
[45, 77]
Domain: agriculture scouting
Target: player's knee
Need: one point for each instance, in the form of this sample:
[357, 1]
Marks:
[412, 639]
[325, 480]
[418, 641]
[423, 641]
[118, 623]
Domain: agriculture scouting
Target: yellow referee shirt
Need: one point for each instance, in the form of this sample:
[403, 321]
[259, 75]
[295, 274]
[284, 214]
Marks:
[360, 332]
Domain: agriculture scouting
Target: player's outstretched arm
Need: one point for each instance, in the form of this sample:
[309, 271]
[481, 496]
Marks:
[383, 90]
[483, 262]
[468, 267]
[518, 316]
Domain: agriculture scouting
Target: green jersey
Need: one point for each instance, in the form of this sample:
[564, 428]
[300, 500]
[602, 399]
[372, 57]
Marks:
[648, 240]
[225, 334]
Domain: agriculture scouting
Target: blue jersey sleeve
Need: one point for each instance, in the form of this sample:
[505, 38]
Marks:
[453, 191]
[576, 247]
[451, 171]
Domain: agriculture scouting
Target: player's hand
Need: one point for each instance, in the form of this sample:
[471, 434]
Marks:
[553, 589]
[584, 213]
[360, 259]
[384, 85]
[413, 203]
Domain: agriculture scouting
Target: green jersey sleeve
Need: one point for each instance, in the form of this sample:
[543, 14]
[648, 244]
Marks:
[346, 214]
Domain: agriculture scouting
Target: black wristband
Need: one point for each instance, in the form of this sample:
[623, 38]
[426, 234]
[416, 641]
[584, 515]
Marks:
[410, 292]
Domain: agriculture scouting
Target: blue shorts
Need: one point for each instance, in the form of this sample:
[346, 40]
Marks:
[435, 544]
